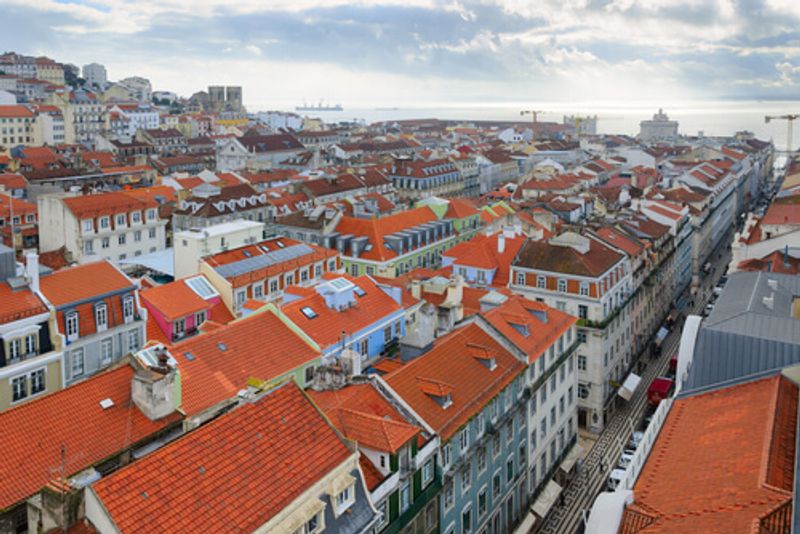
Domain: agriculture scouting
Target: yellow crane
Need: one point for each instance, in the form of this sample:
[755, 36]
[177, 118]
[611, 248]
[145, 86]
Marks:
[789, 118]
[535, 115]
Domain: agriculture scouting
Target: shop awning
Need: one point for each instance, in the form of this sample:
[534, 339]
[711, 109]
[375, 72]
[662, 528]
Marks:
[546, 499]
[662, 334]
[607, 511]
[526, 525]
[574, 455]
[629, 386]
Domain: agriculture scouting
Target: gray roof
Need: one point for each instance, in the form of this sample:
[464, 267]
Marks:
[269, 258]
[745, 336]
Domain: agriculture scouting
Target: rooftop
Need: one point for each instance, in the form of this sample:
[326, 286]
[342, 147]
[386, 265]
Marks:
[233, 474]
[83, 282]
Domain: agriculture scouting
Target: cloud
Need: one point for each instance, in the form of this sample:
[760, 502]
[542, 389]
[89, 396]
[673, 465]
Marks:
[431, 50]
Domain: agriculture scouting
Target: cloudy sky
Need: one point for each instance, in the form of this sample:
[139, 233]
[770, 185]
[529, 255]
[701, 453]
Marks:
[424, 52]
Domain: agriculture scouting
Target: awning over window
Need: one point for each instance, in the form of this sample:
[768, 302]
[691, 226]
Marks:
[607, 511]
[574, 455]
[546, 499]
[526, 525]
[629, 386]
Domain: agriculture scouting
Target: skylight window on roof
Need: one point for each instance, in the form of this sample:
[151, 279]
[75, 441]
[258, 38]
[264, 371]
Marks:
[308, 312]
[246, 253]
[280, 244]
[358, 291]
[202, 287]
[189, 356]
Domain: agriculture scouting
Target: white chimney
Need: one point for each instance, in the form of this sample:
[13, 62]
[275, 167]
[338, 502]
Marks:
[501, 243]
[32, 270]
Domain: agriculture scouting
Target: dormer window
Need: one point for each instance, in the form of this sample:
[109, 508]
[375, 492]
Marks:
[345, 498]
[127, 309]
[121, 219]
[541, 282]
[584, 289]
[88, 225]
[104, 222]
[151, 215]
[562, 285]
[71, 324]
[136, 217]
[101, 317]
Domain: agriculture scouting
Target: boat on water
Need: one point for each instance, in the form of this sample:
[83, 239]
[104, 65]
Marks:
[319, 107]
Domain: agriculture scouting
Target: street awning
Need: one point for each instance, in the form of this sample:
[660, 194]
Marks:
[526, 525]
[574, 455]
[662, 334]
[546, 499]
[161, 261]
[606, 514]
[629, 386]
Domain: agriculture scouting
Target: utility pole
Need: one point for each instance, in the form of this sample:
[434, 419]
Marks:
[535, 116]
[789, 118]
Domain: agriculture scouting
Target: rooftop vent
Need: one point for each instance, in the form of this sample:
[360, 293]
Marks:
[106, 403]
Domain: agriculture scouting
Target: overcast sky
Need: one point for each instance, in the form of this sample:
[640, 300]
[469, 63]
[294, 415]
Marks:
[424, 52]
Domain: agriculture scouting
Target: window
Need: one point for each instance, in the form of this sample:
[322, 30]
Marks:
[77, 363]
[37, 381]
[106, 351]
[133, 340]
[312, 525]
[387, 334]
[466, 478]
[463, 438]
[481, 459]
[581, 362]
[584, 288]
[562, 285]
[496, 445]
[344, 499]
[533, 404]
[179, 328]
[571, 363]
[30, 344]
[88, 225]
[136, 216]
[120, 220]
[533, 440]
[427, 473]
[449, 495]
[541, 282]
[496, 483]
[510, 470]
[581, 336]
[101, 317]
[105, 242]
[553, 416]
[88, 246]
[273, 285]
[583, 391]
[583, 311]
[384, 515]
[19, 388]
[309, 373]
[104, 222]
[543, 427]
[15, 349]
[121, 239]
[137, 236]
[72, 326]
[466, 521]
[520, 279]
[569, 395]
[561, 405]
[151, 215]
[127, 309]
[405, 497]
[288, 279]
[482, 501]
[363, 347]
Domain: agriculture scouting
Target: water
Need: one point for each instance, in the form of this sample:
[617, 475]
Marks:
[718, 117]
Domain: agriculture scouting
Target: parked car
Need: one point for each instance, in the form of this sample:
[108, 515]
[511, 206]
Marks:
[636, 439]
[625, 460]
[614, 479]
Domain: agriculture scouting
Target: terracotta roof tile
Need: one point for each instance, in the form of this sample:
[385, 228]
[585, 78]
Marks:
[83, 282]
[73, 419]
[377, 229]
[175, 300]
[15, 305]
[564, 259]
[231, 475]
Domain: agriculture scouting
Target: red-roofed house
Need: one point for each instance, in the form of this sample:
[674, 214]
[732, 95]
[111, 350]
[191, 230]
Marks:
[115, 226]
[98, 316]
[273, 464]
[485, 260]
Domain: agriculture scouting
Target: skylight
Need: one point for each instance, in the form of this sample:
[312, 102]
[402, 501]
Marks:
[358, 291]
[308, 312]
[280, 244]
[202, 287]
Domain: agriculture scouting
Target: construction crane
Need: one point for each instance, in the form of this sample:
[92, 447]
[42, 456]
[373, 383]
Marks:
[789, 118]
[535, 115]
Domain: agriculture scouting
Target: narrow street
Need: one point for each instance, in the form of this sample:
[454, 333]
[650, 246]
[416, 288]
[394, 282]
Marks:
[580, 494]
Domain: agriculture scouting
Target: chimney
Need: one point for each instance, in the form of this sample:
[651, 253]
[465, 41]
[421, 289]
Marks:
[32, 271]
[501, 243]
[416, 289]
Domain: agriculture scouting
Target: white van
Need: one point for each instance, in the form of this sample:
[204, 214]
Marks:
[614, 479]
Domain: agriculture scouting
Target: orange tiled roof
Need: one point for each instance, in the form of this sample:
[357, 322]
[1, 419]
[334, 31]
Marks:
[90, 206]
[722, 460]
[73, 419]
[175, 300]
[522, 312]
[363, 415]
[216, 374]
[448, 362]
[231, 475]
[460, 208]
[377, 229]
[615, 238]
[326, 329]
[16, 305]
[83, 282]
[481, 252]
[15, 111]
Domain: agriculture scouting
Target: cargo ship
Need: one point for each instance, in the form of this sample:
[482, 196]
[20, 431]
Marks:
[319, 107]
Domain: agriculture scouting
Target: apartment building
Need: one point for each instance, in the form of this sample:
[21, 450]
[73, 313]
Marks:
[115, 226]
[585, 278]
[30, 351]
[210, 205]
[99, 317]
[417, 179]
[263, 270]
[196, 243]
[84, 115]
[18, 126]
